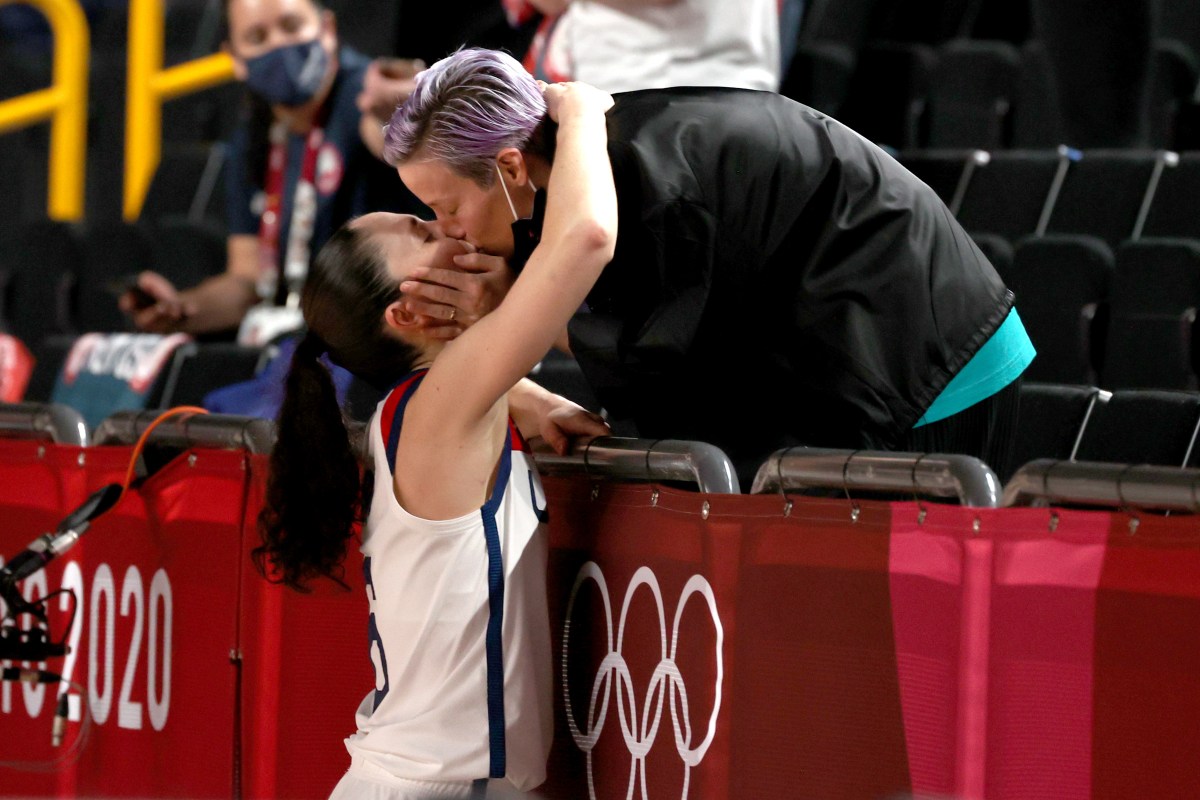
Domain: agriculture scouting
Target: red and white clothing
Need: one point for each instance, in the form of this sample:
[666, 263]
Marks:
[730, 43]
[459, 632]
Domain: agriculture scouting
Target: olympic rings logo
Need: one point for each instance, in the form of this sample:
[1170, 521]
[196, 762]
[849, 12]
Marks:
[666, 683]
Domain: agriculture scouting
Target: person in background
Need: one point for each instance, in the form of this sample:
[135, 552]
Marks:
[454, 544]
[625, 45]
[297, 169]
[777, 281]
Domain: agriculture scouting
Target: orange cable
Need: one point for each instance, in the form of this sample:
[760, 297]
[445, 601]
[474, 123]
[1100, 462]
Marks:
[141, 442]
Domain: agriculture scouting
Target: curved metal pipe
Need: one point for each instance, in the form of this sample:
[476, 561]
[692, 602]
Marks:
[1047, 481]
[219, 431]
[939, 474]
[48, 422]
[612, 457]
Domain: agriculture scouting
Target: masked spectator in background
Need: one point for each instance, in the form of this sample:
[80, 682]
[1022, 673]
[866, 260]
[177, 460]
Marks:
[296, 170]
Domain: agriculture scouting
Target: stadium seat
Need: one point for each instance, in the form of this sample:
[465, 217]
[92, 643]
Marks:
[941, 170]
[888, 93]
[202, 117]
[1142, 426]
[49, 354]
[184, 251]
[1120, 177]
[189, 181]
[1036, 118]
[971, 94]
[37, 269]
[112, 253]
[198, 368]
[23, 153]
[1050, 422]
[1173, 211]
[845, 22]
[1174, 74]
[1156, 290]
[1061, 283]
[819, 76]
[1180, 22]
[1006, 195]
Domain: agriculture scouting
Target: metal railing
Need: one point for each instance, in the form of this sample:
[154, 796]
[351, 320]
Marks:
[148, 87]
[64, 103]
[614, 458]
[968, 479]
[218, 431]
[46, 422]
[1141, 486]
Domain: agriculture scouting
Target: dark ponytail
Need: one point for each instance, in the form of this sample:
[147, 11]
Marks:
[315, 490]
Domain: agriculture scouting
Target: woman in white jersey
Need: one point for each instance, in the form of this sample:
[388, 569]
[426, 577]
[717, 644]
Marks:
[454, 550]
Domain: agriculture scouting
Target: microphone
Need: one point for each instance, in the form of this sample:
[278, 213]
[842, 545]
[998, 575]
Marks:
[49, 546]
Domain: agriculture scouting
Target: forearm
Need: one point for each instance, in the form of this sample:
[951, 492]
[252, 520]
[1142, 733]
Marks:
[218, 303]
[528, 404]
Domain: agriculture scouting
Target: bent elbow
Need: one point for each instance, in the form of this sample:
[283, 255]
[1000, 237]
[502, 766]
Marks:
[596, 240]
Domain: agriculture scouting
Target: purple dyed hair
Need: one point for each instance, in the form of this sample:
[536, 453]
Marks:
[465, 109]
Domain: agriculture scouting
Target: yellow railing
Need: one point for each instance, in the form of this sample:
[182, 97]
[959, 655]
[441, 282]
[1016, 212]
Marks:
[64, 103]
[149, 86]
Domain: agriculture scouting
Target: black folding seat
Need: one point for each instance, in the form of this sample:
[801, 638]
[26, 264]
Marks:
[1061, 284]
[202, 117]
[1006, 195]
[888, 93]
[1141, 426]
[189, 181]
[186, 252]
[1155, 293]
[1036, 117]
[1051, 419]
[1175, 208]
[198, 368]
[998, 251]
[845, 22]
[942, 170]
[113, 254]
[38, 268]
[971, 93]
[1174, 74]
[49, 353]
[819, 76]
[1102, 194]
[1181, 22]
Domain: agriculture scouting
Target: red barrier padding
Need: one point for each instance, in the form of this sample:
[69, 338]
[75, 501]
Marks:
[305, 668]
[707, 646]
[157, 581]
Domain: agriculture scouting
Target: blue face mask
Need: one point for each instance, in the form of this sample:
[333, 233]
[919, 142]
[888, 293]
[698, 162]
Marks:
[288, 76]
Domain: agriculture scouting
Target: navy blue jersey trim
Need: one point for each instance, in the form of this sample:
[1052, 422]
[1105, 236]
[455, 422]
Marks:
[393, 435]
[494, 643]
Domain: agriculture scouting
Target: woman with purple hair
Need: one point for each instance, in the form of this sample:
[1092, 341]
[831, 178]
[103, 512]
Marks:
[778, 280]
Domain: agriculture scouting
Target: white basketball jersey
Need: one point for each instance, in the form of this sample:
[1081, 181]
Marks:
[459, 627]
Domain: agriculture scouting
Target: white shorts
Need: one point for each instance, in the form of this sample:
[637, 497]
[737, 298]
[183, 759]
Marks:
[366, 781]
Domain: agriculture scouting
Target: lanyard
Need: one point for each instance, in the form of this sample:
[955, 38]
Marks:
[304, 214]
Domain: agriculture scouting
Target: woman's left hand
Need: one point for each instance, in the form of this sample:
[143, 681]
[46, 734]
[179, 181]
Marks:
[455, 299]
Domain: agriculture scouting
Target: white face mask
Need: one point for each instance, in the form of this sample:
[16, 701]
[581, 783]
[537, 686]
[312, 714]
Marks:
[504, 187]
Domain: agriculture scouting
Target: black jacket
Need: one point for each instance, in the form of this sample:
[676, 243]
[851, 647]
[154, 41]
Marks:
[777, 280]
